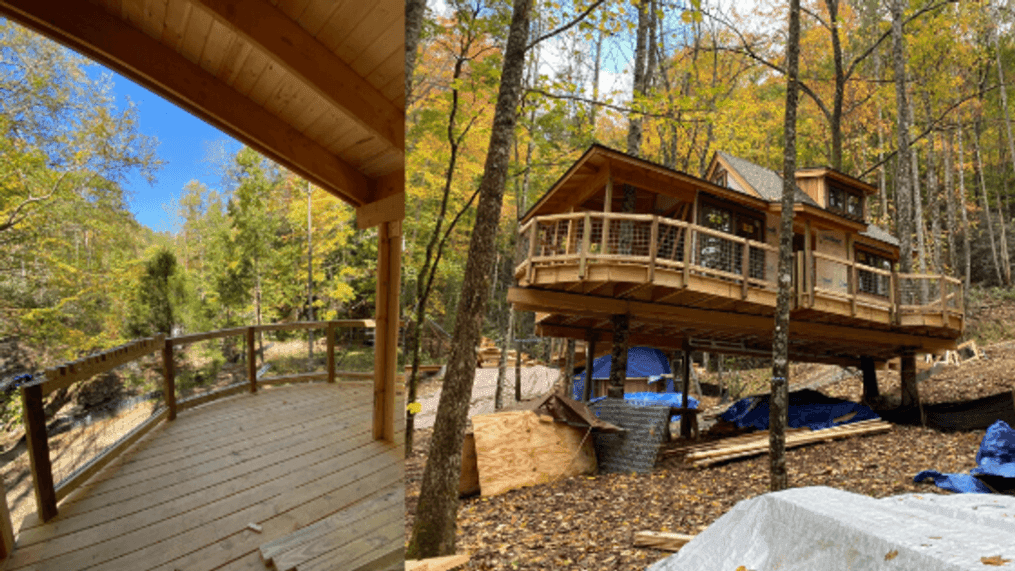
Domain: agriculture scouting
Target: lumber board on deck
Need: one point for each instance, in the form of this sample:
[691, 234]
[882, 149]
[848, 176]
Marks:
[661, 540]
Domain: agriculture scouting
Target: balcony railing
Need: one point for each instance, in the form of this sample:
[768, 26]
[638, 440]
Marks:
[654, 242]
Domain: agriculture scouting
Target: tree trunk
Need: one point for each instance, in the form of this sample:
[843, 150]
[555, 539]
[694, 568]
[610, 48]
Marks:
[882, 190]
[590, 358]
[310, 273]
[903, 181]
[618, 367]
[634, 129]
[960, 167]
[779, 402]
[1002, 211]
[835, 122]
[498, 399]
[953, 260]
[933, 200]
[415, 10]
[1011, 148]
[921, 243]
[433, 533]
[986, 201]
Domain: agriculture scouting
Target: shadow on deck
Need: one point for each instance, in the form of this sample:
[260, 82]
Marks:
[291, 472]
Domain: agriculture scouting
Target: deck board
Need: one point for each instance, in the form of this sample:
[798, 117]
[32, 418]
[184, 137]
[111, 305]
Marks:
[182, 498]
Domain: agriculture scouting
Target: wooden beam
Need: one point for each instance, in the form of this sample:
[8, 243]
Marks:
[169, 378]
[303, 56]
[526, 299]
[390, 209]
[6, 527]
[389, 257]
[92, 31]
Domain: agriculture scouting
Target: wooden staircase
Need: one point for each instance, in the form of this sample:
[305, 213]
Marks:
[367, 536]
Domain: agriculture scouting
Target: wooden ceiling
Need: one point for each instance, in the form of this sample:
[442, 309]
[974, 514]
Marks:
[317, 85]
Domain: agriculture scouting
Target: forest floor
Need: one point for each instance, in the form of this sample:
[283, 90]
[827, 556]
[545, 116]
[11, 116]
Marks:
[588, 522]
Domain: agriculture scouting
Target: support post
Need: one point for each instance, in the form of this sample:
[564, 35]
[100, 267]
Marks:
[685, 378]
[894, 297]
[941, 289]
[688, 253]
[910, 392]
[389, 258]
[809, 265]
[331, 351]
[590, 356]
[169, 378]
[618, 367]
[38, 451]
[533, 235]
[251, 361]
[6, 527]
[607, 208]
[870, 380]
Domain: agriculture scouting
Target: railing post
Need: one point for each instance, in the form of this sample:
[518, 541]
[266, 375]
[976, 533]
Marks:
[854, 288]
[6, 527]
[532, 246]
[604, 250]
[586, 244]
[169, 378]
[572, 234]
[653, 249]
[745, 268]
[689, 236]
[251, 360]
[894, 297]
[944, 300]
[331, 351]
[38, 451]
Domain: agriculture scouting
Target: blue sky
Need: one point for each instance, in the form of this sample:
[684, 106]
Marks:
[185, 143]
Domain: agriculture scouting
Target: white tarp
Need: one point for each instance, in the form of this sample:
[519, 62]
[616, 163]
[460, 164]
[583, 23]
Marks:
[819, 528]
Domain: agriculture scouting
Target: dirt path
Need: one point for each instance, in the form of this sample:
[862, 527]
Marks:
[536, 381]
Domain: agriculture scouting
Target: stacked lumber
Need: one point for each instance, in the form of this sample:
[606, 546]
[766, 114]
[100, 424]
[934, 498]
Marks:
[488, 356]
[437, 563]
[661, 540]
[756, 443]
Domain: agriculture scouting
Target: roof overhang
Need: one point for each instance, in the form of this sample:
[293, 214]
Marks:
[828, 172]
[318, 89]
[598, 163]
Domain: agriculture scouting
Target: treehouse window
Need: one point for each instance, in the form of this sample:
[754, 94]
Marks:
[720, 178]
[845, 202]
[871, 282]
[727, 255]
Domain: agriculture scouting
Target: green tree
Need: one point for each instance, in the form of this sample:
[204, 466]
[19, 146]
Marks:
[157, 294]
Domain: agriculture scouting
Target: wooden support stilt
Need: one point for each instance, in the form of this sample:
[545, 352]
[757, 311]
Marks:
[618, 368]
[870, 379]
[685, 377]
[910, 392]
[590, 356]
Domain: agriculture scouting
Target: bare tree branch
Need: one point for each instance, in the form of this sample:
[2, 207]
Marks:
[567, 26]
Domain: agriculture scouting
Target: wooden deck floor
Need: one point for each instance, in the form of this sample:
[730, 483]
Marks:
[182, 498]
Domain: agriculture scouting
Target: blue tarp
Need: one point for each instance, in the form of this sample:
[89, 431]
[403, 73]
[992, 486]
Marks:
[806, 408]
[641, 362]
[996, 457]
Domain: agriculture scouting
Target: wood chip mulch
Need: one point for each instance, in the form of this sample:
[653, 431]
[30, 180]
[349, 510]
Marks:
[588, 522]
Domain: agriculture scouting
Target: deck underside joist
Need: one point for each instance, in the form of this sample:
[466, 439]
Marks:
[667, 317]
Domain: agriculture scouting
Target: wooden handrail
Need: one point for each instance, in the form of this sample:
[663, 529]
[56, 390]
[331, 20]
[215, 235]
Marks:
[47, 493]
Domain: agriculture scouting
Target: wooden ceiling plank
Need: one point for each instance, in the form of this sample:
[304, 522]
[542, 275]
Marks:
[267, 84]
[155, 18]
[367, 31]
[88, 29]
[309, 60]
[133, 12]
[341, 24]
[292, 8]
[234, 61]
[196, 35]
[250, 73]
[177, 16]
[216, 46]
[317, 14]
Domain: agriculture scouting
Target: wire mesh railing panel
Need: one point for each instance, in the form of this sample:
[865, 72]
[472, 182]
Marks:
[285, 353]
[209, 365]
[630, 237]
[558, 237]
[91, 415]
[919, 290]
[671, 237]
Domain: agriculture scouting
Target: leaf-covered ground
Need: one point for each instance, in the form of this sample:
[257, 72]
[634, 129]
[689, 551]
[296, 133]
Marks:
[588, 522]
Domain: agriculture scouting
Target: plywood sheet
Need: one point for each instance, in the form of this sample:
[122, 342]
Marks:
[520, 448]
[468, 484]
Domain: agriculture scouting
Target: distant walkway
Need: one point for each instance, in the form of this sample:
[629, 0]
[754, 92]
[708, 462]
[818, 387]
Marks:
[536, 381]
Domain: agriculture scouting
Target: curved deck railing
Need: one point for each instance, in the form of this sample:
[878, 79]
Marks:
[584, 239]
[48, 493]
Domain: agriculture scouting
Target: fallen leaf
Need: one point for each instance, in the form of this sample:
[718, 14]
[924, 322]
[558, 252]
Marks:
[995, 560]
[891, 555]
